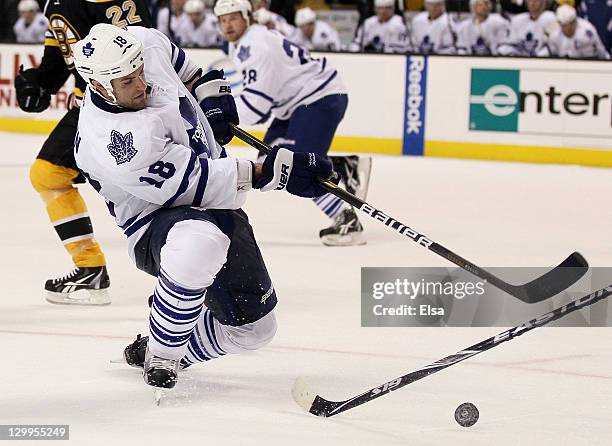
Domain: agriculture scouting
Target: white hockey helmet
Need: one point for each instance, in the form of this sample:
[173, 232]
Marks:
[384, 3]
[304, 16]
[224, 7]
[566, 14]
[27, 5]
[263, 16]
[106, 53]
[193, 7]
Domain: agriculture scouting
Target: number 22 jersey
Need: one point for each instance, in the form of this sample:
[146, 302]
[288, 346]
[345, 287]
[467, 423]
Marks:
[69, 22]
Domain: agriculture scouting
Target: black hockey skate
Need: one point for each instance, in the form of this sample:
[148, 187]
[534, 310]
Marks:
[159, 372]
[134, 354]
[82, 286]
[346, 230]
[355, 173]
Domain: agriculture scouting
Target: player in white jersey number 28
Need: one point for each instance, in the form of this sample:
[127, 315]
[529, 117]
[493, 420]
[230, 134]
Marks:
[307, 100]
[145, 144]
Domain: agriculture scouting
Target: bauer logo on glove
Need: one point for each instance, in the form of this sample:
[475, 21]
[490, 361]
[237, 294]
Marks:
[299, 173]
[284, 177]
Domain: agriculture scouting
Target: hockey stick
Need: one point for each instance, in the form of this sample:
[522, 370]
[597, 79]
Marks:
[317, 405]
[539, 289]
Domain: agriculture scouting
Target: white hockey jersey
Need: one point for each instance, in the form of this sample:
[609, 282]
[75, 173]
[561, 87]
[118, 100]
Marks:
[278, 76]
[324, 38]
[437, 36]
[482, 38]
[171, 25]
[205, 35]
[32, 33]
[278, 22]
[529, 37]
[585, 43]
[381, 37]
[164, 155]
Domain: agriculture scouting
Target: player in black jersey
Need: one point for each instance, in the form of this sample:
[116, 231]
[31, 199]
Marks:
[54, 172]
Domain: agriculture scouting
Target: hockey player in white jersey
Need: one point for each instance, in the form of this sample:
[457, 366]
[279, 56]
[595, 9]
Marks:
[307, 100]
[171, 19]
[315, 34]
[483, 32]
[576, 37]
[384, 32]
[433, 31]
[145, 144]
[271, 20]
[32, 24]
[529, 31]
[202, 28]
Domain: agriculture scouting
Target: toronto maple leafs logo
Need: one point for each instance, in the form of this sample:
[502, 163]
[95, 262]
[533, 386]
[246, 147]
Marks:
[122, 147]
[88, 49]
[244, 53]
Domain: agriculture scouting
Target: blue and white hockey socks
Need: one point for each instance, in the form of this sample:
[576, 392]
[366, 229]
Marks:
[329, 204]
[203, 344]
[174, 314]
[211, 339]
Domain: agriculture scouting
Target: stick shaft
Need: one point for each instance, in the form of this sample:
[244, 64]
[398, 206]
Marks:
[535, 291]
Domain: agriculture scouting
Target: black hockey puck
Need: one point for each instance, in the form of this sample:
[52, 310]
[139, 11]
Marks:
[466, 415]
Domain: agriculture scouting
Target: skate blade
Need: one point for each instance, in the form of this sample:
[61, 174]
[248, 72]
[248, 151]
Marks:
[364, 170]
[158, 394]
[353, 239]
[81, 297]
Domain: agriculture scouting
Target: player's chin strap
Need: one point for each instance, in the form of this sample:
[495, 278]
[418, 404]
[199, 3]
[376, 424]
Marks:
[539, 289]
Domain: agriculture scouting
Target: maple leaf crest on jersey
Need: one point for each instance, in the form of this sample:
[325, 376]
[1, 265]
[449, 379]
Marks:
[244, 53]
[122, 147]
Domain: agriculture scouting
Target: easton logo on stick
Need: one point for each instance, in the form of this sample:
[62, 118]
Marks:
[387, 386]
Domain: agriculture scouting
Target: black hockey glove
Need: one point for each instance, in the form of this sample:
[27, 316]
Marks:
[31, 97]
[214, 94]
[297, 172]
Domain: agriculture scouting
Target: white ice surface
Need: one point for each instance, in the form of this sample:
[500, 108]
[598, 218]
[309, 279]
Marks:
[552, 386]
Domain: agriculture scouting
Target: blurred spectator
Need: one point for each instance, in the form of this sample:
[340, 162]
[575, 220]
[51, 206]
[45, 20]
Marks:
[32, 24]
[483, 32]
[433, 31]
[599, 13]
[529, 31]
[315, 34]
[576, 37]
[272, 20]
[366, 9]
[384, 32]
[171, 19]
[513, 6]
[286, 8]
[202, 28]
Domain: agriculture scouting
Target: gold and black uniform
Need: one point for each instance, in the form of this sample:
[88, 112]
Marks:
[54, 172]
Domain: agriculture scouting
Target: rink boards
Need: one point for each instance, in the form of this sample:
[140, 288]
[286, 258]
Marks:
[515, 109]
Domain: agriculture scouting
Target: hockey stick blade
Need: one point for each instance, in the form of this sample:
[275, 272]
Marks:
[548, 285]
[539, 289]
[317, 405]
